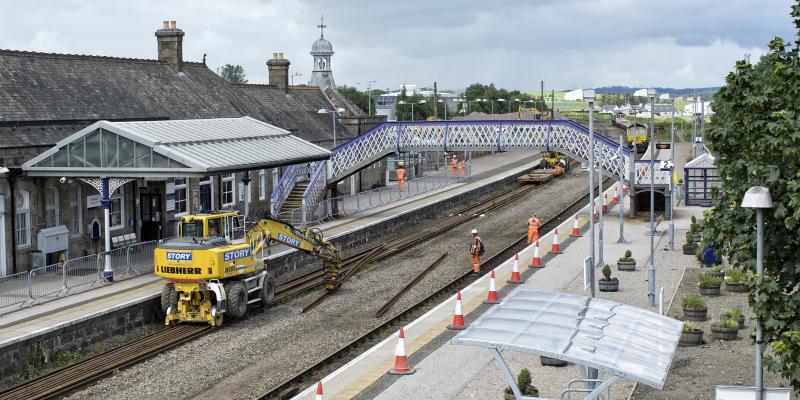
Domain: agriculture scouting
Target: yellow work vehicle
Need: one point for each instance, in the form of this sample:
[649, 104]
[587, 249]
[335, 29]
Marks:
[551, 158]
[217, 266]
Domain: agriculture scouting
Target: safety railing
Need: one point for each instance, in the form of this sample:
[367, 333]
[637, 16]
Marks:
[344, 206]
[290, 177]
[14, 289]
[317, 186]
[62, 279]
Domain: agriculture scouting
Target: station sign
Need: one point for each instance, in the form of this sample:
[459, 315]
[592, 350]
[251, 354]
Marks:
[663, 146]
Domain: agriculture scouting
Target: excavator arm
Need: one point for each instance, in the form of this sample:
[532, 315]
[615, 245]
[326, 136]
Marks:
[305, 239]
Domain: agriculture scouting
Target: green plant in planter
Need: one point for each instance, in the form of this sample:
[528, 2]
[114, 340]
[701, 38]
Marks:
[607, 272]
[726, 323]
[735, 275]
[693, 301]
[716, 268]
[732, 313]
[698, 253]
[628, 257]
[708, 281]
[524, 383]
[688, 326]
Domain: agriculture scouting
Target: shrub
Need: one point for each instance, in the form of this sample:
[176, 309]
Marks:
[693, 301]
[694, 220]
[732, 313]
[687, 326]
[698, 253]
[628, 257]
[726, 323]
[716, 268]
[689, 236]
[524, 378]
[607, 272]
[735, 275]
[708, 281]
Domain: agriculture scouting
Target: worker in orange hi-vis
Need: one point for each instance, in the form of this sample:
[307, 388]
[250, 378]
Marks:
[533, 228]
[476, 251]
[401, 176]
[453, 166]
[461, 167]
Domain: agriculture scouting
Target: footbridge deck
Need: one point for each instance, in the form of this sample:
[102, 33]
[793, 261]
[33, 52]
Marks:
[565, 136]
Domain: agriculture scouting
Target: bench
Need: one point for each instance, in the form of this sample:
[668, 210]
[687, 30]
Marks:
[123, 240]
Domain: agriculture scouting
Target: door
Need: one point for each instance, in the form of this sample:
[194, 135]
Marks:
[205, 197]
[151, 216]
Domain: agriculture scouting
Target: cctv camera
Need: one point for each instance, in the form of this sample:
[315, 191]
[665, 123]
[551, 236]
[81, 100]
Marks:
[63, 179]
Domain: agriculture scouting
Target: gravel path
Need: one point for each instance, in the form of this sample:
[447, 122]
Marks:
[244, 359]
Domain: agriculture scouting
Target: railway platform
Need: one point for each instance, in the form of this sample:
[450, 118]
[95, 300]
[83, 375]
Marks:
[448, 371]
[22, 324]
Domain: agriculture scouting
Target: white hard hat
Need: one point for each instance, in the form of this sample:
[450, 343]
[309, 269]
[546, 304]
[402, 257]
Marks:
[474, 231]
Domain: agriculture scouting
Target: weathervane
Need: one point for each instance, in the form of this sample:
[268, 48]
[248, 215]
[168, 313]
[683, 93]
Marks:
[322, 26]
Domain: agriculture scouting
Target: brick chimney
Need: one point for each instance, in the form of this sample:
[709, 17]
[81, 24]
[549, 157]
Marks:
[170, 45]
[278, 71]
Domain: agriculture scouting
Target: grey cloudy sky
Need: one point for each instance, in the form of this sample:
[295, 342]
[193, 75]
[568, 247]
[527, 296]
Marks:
[513, 43]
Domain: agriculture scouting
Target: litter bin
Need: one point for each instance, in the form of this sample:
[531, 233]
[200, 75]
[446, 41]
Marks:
[37, 258]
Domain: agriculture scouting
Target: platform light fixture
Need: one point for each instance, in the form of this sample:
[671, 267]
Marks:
[651, 268]
[758, 197]
[333, 114]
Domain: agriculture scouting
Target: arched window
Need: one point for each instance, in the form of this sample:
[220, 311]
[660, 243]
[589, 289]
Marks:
[23, 218]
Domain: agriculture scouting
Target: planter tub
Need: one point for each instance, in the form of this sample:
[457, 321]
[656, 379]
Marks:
[695, 314]
[724, 333]
[689, 249]
[736, 287]
[552, 362]
[626, 265]
[531, 391]
[697, 238]
[693, 337]
[609, 286]
[740, 320]
[710, 291]
[718, 274]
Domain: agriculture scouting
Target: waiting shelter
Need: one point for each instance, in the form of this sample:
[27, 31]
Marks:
[700, 177]
[620, 340]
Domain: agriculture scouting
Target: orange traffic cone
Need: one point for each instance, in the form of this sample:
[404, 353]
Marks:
[492, 297]
[319, 391]
[536, 262]
[615, 199]
[458, 317]
[605, 203]
[400, 359]
[515, 276]
[625, 190]
[556, 248]
[576, 230]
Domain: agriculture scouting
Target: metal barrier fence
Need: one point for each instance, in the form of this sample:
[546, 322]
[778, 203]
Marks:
[348, 205]
[59, 280]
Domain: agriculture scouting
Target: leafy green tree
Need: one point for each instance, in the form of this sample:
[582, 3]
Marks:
[490, 92]
[233, 74]
[357, 97]
[755, 136]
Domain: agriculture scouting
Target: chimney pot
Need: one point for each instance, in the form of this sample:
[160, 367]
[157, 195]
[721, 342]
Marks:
[166, 24]
[275, 56]
[172, 25]
[279, 71]
[170, 45]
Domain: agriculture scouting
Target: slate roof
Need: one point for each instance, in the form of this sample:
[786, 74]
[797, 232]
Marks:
[297, 110]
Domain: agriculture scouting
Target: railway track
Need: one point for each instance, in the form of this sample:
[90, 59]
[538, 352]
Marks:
[64, 380]
[315, 372]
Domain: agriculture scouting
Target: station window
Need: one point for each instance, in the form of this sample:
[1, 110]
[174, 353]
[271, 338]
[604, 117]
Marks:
[51, 200]
[117, 212]
[181, 196]
[262, 185]
[76, 211]
[23, 218]
[228, 189]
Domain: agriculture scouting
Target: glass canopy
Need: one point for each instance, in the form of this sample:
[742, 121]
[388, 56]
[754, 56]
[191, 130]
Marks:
[620, 339]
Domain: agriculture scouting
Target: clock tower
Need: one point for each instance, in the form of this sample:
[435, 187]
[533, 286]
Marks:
[322, 51]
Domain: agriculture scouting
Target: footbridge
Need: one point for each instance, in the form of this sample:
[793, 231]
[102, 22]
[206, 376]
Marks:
[565, 136]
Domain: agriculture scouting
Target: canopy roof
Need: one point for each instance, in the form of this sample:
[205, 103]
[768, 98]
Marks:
[617, 338]
[705, 160]
[195, 147]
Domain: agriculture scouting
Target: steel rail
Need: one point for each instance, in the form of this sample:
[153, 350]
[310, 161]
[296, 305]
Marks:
[409, 285]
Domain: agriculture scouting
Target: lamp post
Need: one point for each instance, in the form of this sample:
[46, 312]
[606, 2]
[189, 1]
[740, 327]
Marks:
[333, 117]
[295, 74]
[588, 95]
[412, 105]
[672, 180]
[758, 197]
[651, 268]
[500, 101]
[621, 191]
[444, 102]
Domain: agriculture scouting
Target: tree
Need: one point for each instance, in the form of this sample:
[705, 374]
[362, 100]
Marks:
[233, 74]
[755, 136]
[355, 96]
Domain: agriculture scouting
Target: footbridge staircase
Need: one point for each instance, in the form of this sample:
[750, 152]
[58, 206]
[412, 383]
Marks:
[565, 136]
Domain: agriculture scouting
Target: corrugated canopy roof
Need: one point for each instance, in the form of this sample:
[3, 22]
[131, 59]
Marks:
[195, 147]
[621, 339]
[705, 160]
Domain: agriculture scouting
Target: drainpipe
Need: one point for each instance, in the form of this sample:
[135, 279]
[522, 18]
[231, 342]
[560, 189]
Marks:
[12, 180]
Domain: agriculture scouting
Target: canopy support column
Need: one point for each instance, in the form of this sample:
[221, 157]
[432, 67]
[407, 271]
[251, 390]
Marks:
[106, 187]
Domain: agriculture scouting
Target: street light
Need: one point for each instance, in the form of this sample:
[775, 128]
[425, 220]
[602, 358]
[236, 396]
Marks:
[651, 269]
[588, 95]
[412, 105]
[758, 197]
[444, 101]
[295, 74]
[369, 95]
[333, 116]
[672, 180]
[501, 101]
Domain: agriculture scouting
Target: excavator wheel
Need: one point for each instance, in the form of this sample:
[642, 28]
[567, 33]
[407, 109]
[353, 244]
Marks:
[268, 291]
[237, 299]
[169, 298]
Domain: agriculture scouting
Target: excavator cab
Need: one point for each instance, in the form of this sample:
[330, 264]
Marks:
[229, 225]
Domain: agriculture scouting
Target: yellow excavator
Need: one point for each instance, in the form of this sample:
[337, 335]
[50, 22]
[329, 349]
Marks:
[217, 266]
